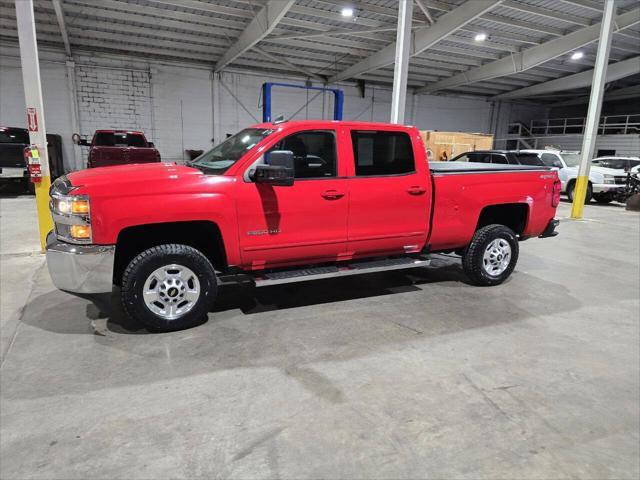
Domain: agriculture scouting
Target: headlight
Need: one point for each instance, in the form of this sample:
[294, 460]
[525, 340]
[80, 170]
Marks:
[71, 213]
[609, 179]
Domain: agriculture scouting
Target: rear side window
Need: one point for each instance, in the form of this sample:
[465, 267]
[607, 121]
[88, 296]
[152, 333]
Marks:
[528, 159]
[480, 157]
[107, 139]
[382, 153]
[499, 159]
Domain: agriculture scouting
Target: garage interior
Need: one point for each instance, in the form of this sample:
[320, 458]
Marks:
[408, 374]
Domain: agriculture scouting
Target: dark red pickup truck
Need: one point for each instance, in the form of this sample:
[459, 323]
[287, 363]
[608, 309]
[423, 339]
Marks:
[288, 202]
[119, 147]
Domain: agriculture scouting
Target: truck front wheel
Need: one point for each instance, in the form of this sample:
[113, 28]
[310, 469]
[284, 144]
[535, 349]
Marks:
[169, 287]
[491, 256]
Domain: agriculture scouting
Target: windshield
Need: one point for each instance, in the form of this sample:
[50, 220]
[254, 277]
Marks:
[220, 158]
[571, 159]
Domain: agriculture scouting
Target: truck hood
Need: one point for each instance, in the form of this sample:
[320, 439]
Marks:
[137, 180]
[143, 173]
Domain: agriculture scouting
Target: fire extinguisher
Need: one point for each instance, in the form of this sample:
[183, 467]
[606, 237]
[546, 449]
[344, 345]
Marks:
[32, 159]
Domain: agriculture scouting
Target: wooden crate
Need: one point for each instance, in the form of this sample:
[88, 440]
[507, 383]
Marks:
[454, 143]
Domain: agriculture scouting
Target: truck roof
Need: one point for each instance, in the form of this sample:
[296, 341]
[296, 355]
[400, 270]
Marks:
[130, 132]
[329, 123]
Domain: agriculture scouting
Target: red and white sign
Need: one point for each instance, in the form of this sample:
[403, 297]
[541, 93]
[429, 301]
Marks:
[32, 119]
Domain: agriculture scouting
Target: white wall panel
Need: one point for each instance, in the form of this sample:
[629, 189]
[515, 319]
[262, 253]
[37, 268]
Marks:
[173, 104]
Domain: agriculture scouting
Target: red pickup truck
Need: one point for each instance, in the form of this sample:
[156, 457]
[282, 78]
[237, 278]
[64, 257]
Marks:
[118, 147]
[288, 202]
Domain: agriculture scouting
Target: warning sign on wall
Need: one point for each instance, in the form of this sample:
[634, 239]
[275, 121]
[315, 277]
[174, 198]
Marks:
[32, 119]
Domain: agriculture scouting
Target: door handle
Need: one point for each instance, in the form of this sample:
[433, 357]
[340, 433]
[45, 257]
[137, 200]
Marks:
[332, 194]
[416, 190]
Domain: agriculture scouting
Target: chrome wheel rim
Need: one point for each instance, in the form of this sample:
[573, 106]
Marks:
[497, 257]
[171, 291]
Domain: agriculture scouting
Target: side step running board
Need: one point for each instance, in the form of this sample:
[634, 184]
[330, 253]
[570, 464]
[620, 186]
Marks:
[355, 268]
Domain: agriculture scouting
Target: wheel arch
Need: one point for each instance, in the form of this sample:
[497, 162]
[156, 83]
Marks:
[203, 235]
[512, 215]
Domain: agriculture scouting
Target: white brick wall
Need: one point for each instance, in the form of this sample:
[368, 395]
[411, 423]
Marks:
[110, 98]
[173, 104]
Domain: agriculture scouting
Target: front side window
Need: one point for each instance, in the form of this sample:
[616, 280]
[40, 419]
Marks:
[13, 135]
[571, 159]
[221, 157]
[314, 153]
[382, 153]
[462, 158]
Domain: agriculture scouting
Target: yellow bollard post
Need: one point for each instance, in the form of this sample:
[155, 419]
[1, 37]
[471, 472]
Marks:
[579, 196]
[45, 222]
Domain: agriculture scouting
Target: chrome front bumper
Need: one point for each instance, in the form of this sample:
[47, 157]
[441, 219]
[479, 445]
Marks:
[607, 187]
[80, 268]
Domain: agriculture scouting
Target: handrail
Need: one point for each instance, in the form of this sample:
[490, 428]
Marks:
[609, 124]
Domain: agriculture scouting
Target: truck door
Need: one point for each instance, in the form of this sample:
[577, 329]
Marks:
[305, 222]
[389, 194]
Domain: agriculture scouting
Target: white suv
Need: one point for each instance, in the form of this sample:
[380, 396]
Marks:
[603, 182]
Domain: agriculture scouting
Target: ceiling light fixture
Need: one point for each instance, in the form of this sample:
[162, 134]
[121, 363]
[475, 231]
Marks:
[347, 12]
[577, 55]
[480, 37]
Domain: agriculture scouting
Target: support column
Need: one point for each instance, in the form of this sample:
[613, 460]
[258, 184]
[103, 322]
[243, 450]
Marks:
[73, 107]
[595, 106]
[35, 109]
[215, 105]
[401, 70]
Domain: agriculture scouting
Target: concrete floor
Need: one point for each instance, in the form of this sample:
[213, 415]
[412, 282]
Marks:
[401, 375]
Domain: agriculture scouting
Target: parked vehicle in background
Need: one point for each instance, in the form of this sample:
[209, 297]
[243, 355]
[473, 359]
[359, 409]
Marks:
[13, 167]
[288, 202]
[505, 157]
[118, 147]
[605, 184]
[617, 163]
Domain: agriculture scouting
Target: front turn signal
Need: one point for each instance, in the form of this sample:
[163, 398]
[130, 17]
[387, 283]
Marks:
[80, 207]
[80, 232]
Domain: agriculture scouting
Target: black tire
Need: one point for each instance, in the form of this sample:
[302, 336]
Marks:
[602, 198]
[144, 264]
[571, 187]
[28, 186]
[473, 259]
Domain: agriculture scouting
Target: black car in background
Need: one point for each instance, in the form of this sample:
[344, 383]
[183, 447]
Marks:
[13, 168]
[507, 157]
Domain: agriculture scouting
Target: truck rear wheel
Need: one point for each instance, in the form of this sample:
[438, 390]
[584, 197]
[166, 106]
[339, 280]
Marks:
[491, 256]
[169, 287]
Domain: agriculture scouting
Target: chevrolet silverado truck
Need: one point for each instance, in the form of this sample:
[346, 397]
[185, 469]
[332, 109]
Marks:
[287, 202]
[118, 147]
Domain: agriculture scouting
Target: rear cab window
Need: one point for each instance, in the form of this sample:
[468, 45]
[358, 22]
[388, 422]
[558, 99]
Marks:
[13, 135]
[119, 139]
[382, 153]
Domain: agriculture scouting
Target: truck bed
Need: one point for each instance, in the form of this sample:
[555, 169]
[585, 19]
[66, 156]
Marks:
[473, 167]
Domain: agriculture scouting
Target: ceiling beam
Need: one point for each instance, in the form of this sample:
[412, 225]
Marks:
[57, 6]
[615, 71]
[531, 57]
[262, 25]
[422, 38]
[425, 11]
[287, 63]
[547, 13]
[632, 91]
